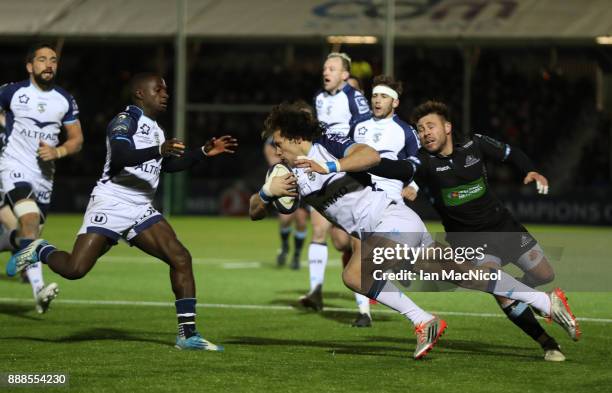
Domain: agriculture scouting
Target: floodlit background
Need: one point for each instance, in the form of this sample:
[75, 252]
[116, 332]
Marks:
[533, 73]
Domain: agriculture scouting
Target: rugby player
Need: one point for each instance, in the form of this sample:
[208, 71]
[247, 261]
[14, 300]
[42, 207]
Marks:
[329, 173]
[339, 106]
[455, 180]
[392, 137]
[36, 110]
[121, 203]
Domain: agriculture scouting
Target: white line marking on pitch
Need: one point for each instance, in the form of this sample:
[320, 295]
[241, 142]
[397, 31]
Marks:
[258, 307]
[226, 263]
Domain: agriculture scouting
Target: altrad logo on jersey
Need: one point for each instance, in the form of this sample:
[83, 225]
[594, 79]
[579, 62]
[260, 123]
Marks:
[148, 168]
[43, 136]
[24, 99]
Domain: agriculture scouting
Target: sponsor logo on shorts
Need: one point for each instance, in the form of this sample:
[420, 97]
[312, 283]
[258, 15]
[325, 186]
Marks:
[443, 168]
[99, 219]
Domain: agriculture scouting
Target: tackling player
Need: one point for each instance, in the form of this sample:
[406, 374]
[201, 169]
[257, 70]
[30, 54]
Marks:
[330, 176]
[36, 110]
[339, 106]
[455, 179]
[121, 203]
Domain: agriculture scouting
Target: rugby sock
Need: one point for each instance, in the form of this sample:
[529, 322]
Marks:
[44, 251]
[521, 315]
[317, 260]
[508, 286]
[5, 239]
[284, 234]
[23, 243]
[391, 296]
[363, 303]
[34, 273]
[185, 312]
[298, 241]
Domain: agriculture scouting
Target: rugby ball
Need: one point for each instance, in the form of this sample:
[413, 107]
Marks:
[287, 204]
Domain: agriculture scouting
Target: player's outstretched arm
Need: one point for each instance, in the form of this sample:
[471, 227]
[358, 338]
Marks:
[358, 158]
[215, 146]
[403, 170]
[73, 144]
[502, 152]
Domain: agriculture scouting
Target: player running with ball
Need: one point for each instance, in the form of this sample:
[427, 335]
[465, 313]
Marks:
[121, 203]
[330, 176]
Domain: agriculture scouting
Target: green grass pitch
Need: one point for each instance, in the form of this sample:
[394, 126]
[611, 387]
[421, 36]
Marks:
[114, 330]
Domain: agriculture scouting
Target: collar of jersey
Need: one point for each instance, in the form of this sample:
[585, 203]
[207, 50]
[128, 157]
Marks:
[337, 90]
[385, 120]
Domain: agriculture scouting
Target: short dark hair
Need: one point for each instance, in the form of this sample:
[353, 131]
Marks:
[138, 79]
[34, 48]
[387, 80]
[293, 122]
[429, 107]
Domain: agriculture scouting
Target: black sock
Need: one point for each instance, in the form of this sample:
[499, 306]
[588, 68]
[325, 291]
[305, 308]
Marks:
[521, 315]
[298, 241]
[185, 312]
[284, 234]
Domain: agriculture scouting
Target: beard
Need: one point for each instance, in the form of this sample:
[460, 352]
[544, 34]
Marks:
[46, 84]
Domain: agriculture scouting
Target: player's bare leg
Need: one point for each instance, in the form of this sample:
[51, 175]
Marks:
[87, 248]
[160, 241]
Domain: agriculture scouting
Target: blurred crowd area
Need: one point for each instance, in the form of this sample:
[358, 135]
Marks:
[541, 101]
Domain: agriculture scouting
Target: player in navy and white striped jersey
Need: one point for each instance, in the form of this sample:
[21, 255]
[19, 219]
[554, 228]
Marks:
[329, 173]
[36, 110]
[121, 202]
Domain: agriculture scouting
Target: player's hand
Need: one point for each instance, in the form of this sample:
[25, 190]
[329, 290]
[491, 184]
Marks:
[46, 152]
[409, 193]
[313, 165]
[541, 182]
[172, 148]
[224, 144]
[281, 186]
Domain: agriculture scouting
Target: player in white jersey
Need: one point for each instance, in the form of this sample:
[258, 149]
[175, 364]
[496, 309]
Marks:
[392, 137]
[121, 203]
[36, 110]
[329, 174]
[339, 106]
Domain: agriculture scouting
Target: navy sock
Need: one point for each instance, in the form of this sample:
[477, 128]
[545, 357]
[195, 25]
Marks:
[521, 315]
[185, 312]
[23, 243]
[284, 234]
[44, 251]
